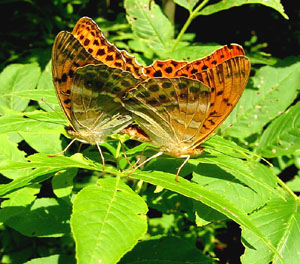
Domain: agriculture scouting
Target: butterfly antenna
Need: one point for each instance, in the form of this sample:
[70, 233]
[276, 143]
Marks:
[101, 155]
[44, 101]
[64, 150]
[144, 162]
[181, 166]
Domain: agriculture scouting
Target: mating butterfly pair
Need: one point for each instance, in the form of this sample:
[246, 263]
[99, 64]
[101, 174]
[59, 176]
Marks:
[178, 105]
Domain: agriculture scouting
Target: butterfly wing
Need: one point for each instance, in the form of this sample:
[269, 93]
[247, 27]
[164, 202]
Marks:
[93, 40]
[227, 81]
[170, 110]
[225, 71]
[67, 55]
[96, 100]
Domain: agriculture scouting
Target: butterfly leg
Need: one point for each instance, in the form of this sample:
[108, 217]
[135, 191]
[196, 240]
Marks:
[181, 166]
[144, 162]
[101, 155]
[64, 150]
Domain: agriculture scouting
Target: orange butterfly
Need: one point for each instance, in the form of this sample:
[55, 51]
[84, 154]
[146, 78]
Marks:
[184, 103]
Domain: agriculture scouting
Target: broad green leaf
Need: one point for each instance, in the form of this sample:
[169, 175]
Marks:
[147, 25]
[237, 181]
[45, 143]
[139, 46]
[199, 193]
[282, 137]
[114, 220]
[37, 95]
[32, 122]
[230, 148]
[224, 4]
[9, 151]
[22, 197]
[62, 182]
[268, 94]
[187, 4]
[34, 220]
[294, 184]
[47, 91]
[54, 259]
[166, 250]
[17, 78]
[42, 168]
[191, 53]
[205, 214]
[279, 221]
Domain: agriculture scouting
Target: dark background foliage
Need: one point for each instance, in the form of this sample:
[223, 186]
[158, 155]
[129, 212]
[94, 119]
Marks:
[29, 27]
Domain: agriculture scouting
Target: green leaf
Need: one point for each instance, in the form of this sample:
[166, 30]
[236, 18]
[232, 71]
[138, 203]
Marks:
[54, 259]
[62, 182]
[9, 151]
[32, 122]
[37, 95]
[191, 53]
[22, 197]
[279, 220]
[230, 148]
[268, 94]
[224, 4]
[243, 188]
[33, 220]
[282, 137]
[17, 78]
[114, 219]
[44, 143]
[294, 184]
[165, 250]
[187, 4]
[147, 25]
[42, 166]
[46, 90]
[199, 193]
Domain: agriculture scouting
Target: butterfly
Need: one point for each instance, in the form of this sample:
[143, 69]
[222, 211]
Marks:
[182, 104]
[90, 76]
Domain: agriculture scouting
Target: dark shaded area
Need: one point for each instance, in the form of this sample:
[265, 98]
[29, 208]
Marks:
[229, 248]
[29, 28]
[240, 23]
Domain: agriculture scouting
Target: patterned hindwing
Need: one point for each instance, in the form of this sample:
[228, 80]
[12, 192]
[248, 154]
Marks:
[227, 81]
[97, 91]
[91, 37]
[217, 57]
[67, 55]
[164, 68]
[170, 110]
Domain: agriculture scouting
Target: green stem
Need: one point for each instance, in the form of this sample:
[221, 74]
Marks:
[118, 154]
[192, 15]
[286, 188]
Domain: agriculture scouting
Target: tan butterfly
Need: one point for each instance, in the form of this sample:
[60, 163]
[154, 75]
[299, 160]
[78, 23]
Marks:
[89, 84]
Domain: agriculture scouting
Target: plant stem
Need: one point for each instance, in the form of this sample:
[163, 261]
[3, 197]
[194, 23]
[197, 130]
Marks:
[286, 188]
[192, 15]
[118, 154]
